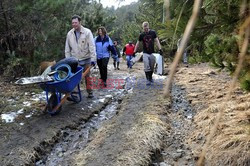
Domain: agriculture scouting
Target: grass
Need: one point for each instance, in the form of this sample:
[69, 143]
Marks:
[231, 142]
[136, 145]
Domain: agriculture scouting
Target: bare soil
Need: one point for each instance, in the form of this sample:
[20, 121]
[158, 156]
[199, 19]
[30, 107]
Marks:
[145, 130]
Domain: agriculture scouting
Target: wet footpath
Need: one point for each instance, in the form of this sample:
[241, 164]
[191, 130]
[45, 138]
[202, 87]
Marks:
[127, 123]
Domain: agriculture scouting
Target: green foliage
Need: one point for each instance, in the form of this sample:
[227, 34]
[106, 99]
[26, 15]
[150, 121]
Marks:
[130, 32]
[15, 67]
[124, 27]
[36, 29]
[245, 80]
[245, 84]
[222, 51]
[94, 17]
[151, 11]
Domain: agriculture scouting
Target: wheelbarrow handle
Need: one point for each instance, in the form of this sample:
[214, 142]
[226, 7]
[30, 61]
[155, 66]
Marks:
[62, 101]
[86, 72]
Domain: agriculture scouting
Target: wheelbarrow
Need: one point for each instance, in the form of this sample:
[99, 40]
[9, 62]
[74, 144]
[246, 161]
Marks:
[63, 86]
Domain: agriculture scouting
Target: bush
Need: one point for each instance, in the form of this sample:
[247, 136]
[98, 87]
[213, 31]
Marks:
[16, 67]
[223, 51]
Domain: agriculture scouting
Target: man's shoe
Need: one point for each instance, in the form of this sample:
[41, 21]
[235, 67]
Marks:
[105, 84]
[73, 98]
[118, 68]
[148, 83]
[150, 76]
[70, 99]
[90, 95]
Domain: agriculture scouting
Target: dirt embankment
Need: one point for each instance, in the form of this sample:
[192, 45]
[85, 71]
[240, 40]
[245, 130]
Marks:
[132, 136]
[206, 90]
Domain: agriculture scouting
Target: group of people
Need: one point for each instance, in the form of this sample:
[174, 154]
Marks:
[81, 44]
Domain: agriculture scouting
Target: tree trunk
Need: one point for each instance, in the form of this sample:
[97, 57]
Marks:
[7, 29]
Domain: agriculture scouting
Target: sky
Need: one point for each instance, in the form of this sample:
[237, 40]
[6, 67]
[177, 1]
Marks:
[109, 3]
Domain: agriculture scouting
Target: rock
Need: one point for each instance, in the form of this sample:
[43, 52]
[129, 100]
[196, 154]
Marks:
[119, 100]
[164, 164]
[178, 133]
[199, 137]
[209, 72]
[164, 153]
[59, 149]
[180, 71]
[176, 156]
[60, 154]
[192, 95]
[188, 158]
[179, 151]
[189, 116]
[65, 134]
[194, 80]
[40, 162]
[219, 96]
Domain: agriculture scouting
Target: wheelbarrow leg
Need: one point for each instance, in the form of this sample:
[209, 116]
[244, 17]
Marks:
[79, 92]
[60, 104]
[47, 99]
[76, 96]
[53, 102]
[59, 96]
[47, 96]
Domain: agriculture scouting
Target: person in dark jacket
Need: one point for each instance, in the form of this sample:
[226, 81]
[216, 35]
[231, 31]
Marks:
[148, 37]
[104, 46]
[116, 58]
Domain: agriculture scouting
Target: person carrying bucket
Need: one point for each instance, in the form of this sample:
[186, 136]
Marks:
[148, 37]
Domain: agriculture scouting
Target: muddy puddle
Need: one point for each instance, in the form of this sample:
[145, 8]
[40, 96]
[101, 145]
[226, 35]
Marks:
[175, 150]
[180, 104]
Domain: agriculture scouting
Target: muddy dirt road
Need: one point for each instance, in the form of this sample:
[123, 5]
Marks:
[133, 125]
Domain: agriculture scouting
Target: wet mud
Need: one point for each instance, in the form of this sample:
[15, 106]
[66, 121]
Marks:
[129, 126]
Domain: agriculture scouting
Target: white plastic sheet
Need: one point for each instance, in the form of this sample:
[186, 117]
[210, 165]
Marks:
[159, 66]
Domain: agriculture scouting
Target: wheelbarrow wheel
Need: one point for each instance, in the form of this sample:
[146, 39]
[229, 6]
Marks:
[52, 103]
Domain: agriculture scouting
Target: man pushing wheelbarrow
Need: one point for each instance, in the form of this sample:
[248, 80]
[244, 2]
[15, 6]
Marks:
[65, 76]
[80, 44]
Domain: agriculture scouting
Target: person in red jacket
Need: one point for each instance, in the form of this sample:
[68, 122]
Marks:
[128, 50]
